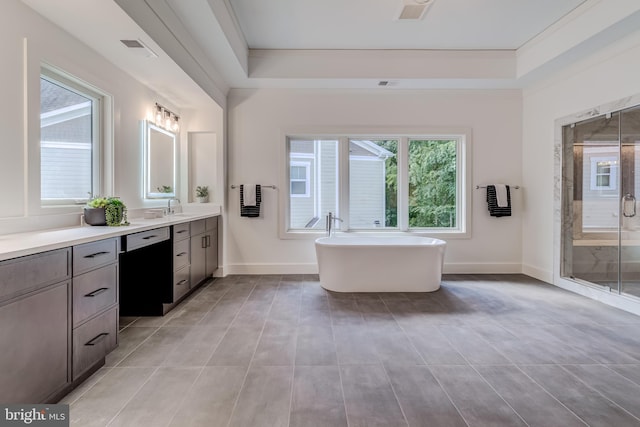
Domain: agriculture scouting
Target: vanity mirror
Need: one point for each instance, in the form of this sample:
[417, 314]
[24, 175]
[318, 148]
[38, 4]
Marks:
[160, 174]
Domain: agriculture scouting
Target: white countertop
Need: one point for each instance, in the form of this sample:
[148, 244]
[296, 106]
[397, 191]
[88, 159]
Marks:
[21, 244]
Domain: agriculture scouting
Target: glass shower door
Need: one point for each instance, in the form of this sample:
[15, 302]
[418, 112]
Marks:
[630, 186]
[591, 201]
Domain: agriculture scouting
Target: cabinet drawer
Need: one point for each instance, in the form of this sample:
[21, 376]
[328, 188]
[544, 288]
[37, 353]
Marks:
[93, 340]
[180, 254]
[95, 254]
[146, 238]
[93, 292]
[197, 227]
[212, 223]
[181, 231]
[21, 275]
[181, 283]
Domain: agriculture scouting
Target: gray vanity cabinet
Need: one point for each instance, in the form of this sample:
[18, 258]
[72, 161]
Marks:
[212, 245]
[198, 252]
[204, 249]
[95, 303]
[181, 260]
[35, 297]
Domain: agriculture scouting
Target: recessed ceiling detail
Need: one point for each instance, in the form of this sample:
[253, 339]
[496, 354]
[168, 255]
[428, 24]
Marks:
[414, 9]
[139, 48]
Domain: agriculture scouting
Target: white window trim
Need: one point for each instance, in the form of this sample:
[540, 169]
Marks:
[307, 180]
[102, 166]
[343, 135]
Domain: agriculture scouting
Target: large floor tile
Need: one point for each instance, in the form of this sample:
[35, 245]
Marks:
[584, 401]
[476, 400]
[265, 398]
[317, 399]
[369, 397]
[211, 399]
[158, 399]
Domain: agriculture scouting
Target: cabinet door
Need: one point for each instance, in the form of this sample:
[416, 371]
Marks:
[34, 341]
[212, 252]
[198, 259]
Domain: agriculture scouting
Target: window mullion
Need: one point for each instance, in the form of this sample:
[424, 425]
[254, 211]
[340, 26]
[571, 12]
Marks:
[343, 180]
[403, 183]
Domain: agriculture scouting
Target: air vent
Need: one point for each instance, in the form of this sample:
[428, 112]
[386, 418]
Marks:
[139, 48]
[414, 9]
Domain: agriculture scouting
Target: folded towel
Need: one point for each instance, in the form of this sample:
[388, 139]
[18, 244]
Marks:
[501, 196]
[492, 202]
[249, 195]
[252, 211]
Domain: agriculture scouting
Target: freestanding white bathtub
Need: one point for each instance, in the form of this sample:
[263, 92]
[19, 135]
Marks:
[380, 264]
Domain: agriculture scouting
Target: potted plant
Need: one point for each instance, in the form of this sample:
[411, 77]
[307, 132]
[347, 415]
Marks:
[202, 194]
[105, 211]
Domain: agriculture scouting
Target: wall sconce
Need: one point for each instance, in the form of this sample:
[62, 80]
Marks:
[166, 119]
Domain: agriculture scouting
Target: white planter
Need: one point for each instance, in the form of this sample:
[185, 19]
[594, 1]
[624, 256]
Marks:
[202, 199]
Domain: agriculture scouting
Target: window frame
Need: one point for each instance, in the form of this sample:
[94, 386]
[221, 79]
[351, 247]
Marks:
[463, 175]
[99, 106]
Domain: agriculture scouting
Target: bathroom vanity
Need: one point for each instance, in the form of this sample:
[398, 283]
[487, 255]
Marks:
[62, 291]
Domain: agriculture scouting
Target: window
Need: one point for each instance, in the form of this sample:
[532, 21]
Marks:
[604, 173]
[432, 183]
[69, 140]
[373, 184]
[313, 182]
[299, 179]
[378, 183]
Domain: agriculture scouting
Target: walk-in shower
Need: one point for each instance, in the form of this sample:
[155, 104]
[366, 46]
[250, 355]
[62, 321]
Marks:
[600, 220]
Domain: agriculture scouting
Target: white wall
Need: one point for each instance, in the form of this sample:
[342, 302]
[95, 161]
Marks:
[258, 119]
[26, 41]
[607, 75]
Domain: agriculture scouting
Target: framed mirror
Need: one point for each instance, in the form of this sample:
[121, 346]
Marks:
[160, 174]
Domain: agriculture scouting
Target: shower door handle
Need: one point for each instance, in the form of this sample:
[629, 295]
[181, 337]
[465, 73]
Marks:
[628, 206]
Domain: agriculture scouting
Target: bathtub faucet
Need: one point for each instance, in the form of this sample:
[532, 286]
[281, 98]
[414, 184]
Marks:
[330, 223]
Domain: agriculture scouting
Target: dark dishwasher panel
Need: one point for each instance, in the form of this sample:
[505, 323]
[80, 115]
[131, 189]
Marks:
[146, 279]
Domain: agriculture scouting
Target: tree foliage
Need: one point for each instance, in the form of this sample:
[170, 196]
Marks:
[432, 183]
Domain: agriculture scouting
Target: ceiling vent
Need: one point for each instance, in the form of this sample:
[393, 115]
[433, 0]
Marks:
[139, 48]
[414, 10]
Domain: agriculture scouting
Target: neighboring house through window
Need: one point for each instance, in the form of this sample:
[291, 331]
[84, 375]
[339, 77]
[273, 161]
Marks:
[69, 140]
[382, 182]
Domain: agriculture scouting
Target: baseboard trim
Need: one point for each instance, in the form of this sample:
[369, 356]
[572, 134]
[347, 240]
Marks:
[537, 273]
[312, 268]
[482, 268]
[265, 268]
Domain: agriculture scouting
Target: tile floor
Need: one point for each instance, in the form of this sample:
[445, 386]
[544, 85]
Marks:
[503, 350]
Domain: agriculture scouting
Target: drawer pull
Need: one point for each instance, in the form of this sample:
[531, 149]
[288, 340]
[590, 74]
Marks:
[181, 231]
[96, 292]
[182, 282]
[149, 237]
[182, 254]
[96, 254]
[97, 339]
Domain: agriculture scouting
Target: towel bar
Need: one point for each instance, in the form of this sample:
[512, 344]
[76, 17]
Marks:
[517, 187]
[233, 186]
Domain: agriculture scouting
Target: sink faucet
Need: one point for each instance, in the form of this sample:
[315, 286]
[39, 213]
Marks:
[172, 210]
[331, 219]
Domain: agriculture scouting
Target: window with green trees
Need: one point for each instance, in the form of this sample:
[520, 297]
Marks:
[399, 183]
